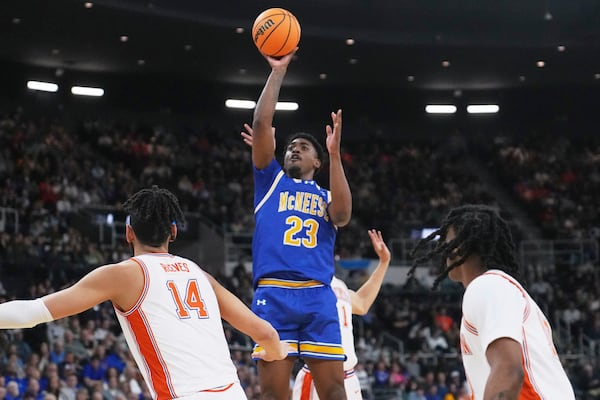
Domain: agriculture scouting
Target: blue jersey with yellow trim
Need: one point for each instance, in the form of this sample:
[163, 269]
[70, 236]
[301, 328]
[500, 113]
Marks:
[294, 237]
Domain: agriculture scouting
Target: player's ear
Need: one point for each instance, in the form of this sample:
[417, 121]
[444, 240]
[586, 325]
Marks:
[129, 234]
[173, 234]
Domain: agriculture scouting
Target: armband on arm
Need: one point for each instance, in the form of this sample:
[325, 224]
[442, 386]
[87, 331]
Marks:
[23, 314]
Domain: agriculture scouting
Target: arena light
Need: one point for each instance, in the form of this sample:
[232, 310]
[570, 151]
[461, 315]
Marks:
[240, 104]
[483, 108]
[87, 91]
[42, 86]
[286, 106]
[440, 109]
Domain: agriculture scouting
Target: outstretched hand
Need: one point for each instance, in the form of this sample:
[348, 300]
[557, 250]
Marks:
[279, 353]
[379, 246]
[281, 62]
[248, 137]
[334, 135]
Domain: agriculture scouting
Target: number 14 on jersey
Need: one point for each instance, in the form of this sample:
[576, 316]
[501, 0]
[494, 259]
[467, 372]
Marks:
[191, 302]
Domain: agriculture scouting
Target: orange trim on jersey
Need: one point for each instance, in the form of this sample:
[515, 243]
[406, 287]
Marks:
[157, 370]
[527, 311]
[464, 347]
[528, 390]
[306, 386]
[471, 387]
[146, 274]
[470, 327]
[221, 389]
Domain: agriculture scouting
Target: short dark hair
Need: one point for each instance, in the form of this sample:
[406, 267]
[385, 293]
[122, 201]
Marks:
[479, 230]
[313, 140]
[151, 214]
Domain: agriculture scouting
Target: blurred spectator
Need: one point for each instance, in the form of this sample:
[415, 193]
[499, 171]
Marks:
[12, 391]
[69, 390]
[587, 382]
[74, 346]
[93, 372]
[398, 377]
[443, 320]
[416, 392]
[381, 375]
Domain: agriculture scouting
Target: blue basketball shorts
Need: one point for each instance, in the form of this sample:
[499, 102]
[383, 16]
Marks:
[304, 315]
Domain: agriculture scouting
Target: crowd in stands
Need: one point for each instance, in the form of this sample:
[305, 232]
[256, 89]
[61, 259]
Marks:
[407, 344]
[555, 176]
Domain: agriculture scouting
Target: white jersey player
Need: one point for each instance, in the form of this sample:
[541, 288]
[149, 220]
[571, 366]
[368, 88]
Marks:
[506, 340]
[484, 322]
[174, 331]
[170, 310]
[349, 302]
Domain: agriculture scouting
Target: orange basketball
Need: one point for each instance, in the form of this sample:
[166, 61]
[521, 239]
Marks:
[276, 32]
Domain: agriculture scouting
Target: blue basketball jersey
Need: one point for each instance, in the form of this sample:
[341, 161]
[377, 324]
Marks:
[294, 237]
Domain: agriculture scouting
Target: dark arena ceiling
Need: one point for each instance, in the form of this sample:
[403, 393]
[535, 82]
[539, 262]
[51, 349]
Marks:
[426, 44]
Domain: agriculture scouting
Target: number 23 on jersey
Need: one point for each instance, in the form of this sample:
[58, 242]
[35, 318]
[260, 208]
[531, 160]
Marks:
[291, 235]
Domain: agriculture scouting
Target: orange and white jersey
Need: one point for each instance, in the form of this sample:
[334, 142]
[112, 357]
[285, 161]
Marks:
[174, 331]
[494, 306]
[344, 306]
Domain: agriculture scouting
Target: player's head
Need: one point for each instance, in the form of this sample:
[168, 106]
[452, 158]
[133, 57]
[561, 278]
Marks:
[303, 153]
[153, 216]
[470, 230]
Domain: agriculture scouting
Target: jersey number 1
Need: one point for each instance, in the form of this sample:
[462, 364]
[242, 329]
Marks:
[192, 301]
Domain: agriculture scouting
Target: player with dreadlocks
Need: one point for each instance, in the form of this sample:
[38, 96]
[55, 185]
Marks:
[480, 230]
[505, 339]
[170, 310]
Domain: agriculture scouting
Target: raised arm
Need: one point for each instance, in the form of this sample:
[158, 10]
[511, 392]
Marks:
[364, 297]
[340, 208]
[263, 149]
[234, 311]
